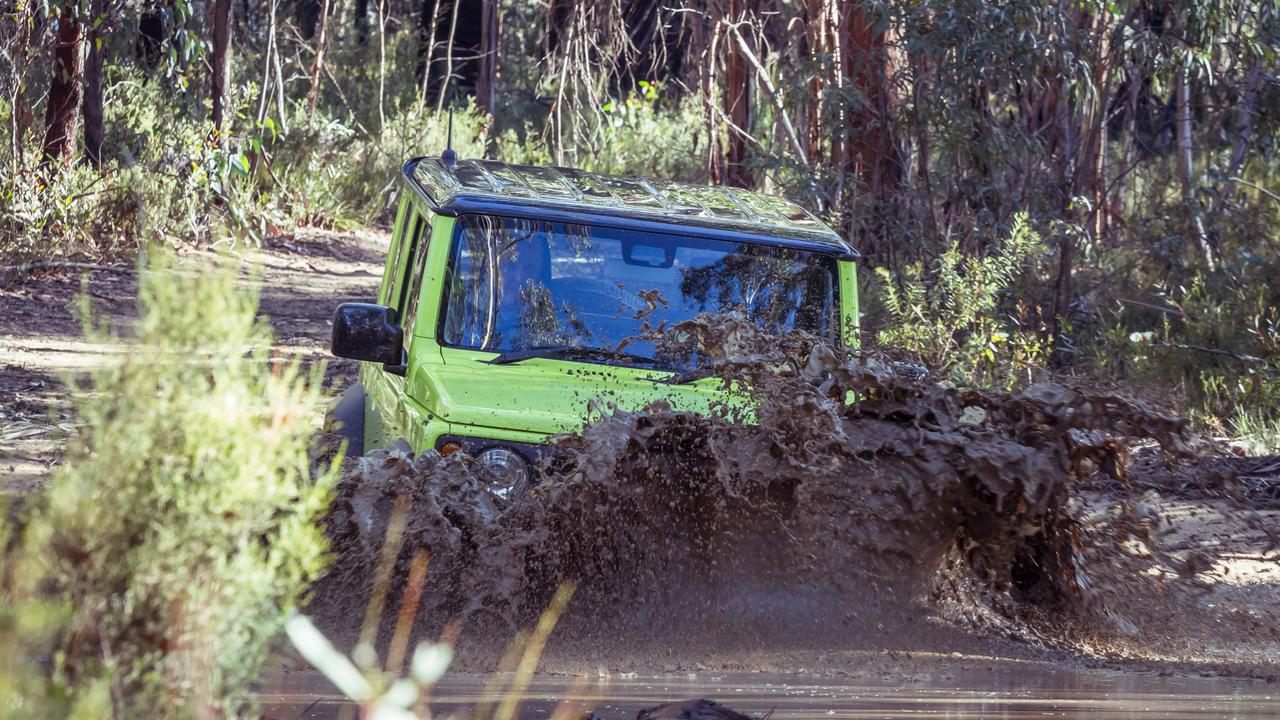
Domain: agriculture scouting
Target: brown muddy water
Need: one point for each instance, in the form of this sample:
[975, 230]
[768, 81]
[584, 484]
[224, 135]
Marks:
[984, 689]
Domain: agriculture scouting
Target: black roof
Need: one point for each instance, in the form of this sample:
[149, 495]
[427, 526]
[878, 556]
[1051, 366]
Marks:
[576, 196]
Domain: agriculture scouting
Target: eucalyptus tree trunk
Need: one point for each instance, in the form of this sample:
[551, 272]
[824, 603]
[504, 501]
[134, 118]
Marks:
[821, 40]
[20, 113]
[94, 130]
[490, 47]
[869, 155]
[736, 90]
[361, 17]
[62, 111]
[1186, 161]
[221, 63]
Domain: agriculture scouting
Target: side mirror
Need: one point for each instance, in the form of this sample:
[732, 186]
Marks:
[364, 331]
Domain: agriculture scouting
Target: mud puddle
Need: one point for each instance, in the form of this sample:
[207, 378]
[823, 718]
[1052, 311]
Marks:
[975, 688]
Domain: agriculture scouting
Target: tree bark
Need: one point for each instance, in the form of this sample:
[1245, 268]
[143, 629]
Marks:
[20, 117]
[866, 157]
[307, 14]
[94, 130]
[490, 45]
[819, 45]
[361, 12]
[62, 113]
[221, 65]
[872, 156]
[736, 91]
[1186, 162]
[708, 35]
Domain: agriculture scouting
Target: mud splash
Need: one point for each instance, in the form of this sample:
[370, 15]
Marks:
[803, 511]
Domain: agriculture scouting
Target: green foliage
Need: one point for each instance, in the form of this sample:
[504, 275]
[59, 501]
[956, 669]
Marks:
[642, 135]
[30, 628]
[1213, 345]
[47, 214]
[329, 174]
[1257, 429]
[953, 317]
[182, 527]
[166, 187]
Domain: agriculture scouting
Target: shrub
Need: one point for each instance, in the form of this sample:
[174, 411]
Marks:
[182, 527]
[329, 174]
[1213, 345]
[953, 318]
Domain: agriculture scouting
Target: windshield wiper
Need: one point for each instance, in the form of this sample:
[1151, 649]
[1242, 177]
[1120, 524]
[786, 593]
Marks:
[682, 377]
[570, 352]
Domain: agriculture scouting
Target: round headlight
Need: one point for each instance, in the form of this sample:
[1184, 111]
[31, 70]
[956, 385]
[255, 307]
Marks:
[508, 473]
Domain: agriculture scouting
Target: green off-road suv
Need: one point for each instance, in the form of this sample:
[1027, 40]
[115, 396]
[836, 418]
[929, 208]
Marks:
[508, 291]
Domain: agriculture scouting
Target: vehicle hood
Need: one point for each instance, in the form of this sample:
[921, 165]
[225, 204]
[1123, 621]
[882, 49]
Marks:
[553, 396]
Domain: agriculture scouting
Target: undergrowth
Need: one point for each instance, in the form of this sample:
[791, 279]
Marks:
[150, 576]
[960, 317]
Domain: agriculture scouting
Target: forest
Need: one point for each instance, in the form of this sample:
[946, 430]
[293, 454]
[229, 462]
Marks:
[1138, 138]
[1070, 190]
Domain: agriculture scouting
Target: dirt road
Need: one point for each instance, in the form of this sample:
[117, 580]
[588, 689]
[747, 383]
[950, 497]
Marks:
[302, 279]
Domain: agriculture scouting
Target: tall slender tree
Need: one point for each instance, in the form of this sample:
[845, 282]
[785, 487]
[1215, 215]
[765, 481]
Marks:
[360, 19]
[221, 64]
[317, 65]
[872, 156]
[490, 48]
[20, 116]
[62, 111]
[94, 128]
[736, 90]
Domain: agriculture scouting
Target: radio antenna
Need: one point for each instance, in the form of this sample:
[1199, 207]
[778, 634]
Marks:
[449, 158]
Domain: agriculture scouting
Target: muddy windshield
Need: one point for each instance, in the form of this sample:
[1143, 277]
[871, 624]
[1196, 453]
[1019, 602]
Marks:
[516, 284]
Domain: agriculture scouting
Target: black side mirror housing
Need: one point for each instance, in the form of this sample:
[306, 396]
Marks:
[368, 332]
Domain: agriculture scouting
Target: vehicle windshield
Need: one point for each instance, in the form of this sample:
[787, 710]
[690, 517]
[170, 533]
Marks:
[516, 284]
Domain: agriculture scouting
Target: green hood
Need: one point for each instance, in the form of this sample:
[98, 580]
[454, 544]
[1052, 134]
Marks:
[550, 396]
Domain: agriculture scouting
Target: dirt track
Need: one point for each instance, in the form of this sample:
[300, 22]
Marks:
[302, 280]
[1229, 627]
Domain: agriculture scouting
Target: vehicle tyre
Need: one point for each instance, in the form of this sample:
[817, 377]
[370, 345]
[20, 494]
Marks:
[346, 419]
